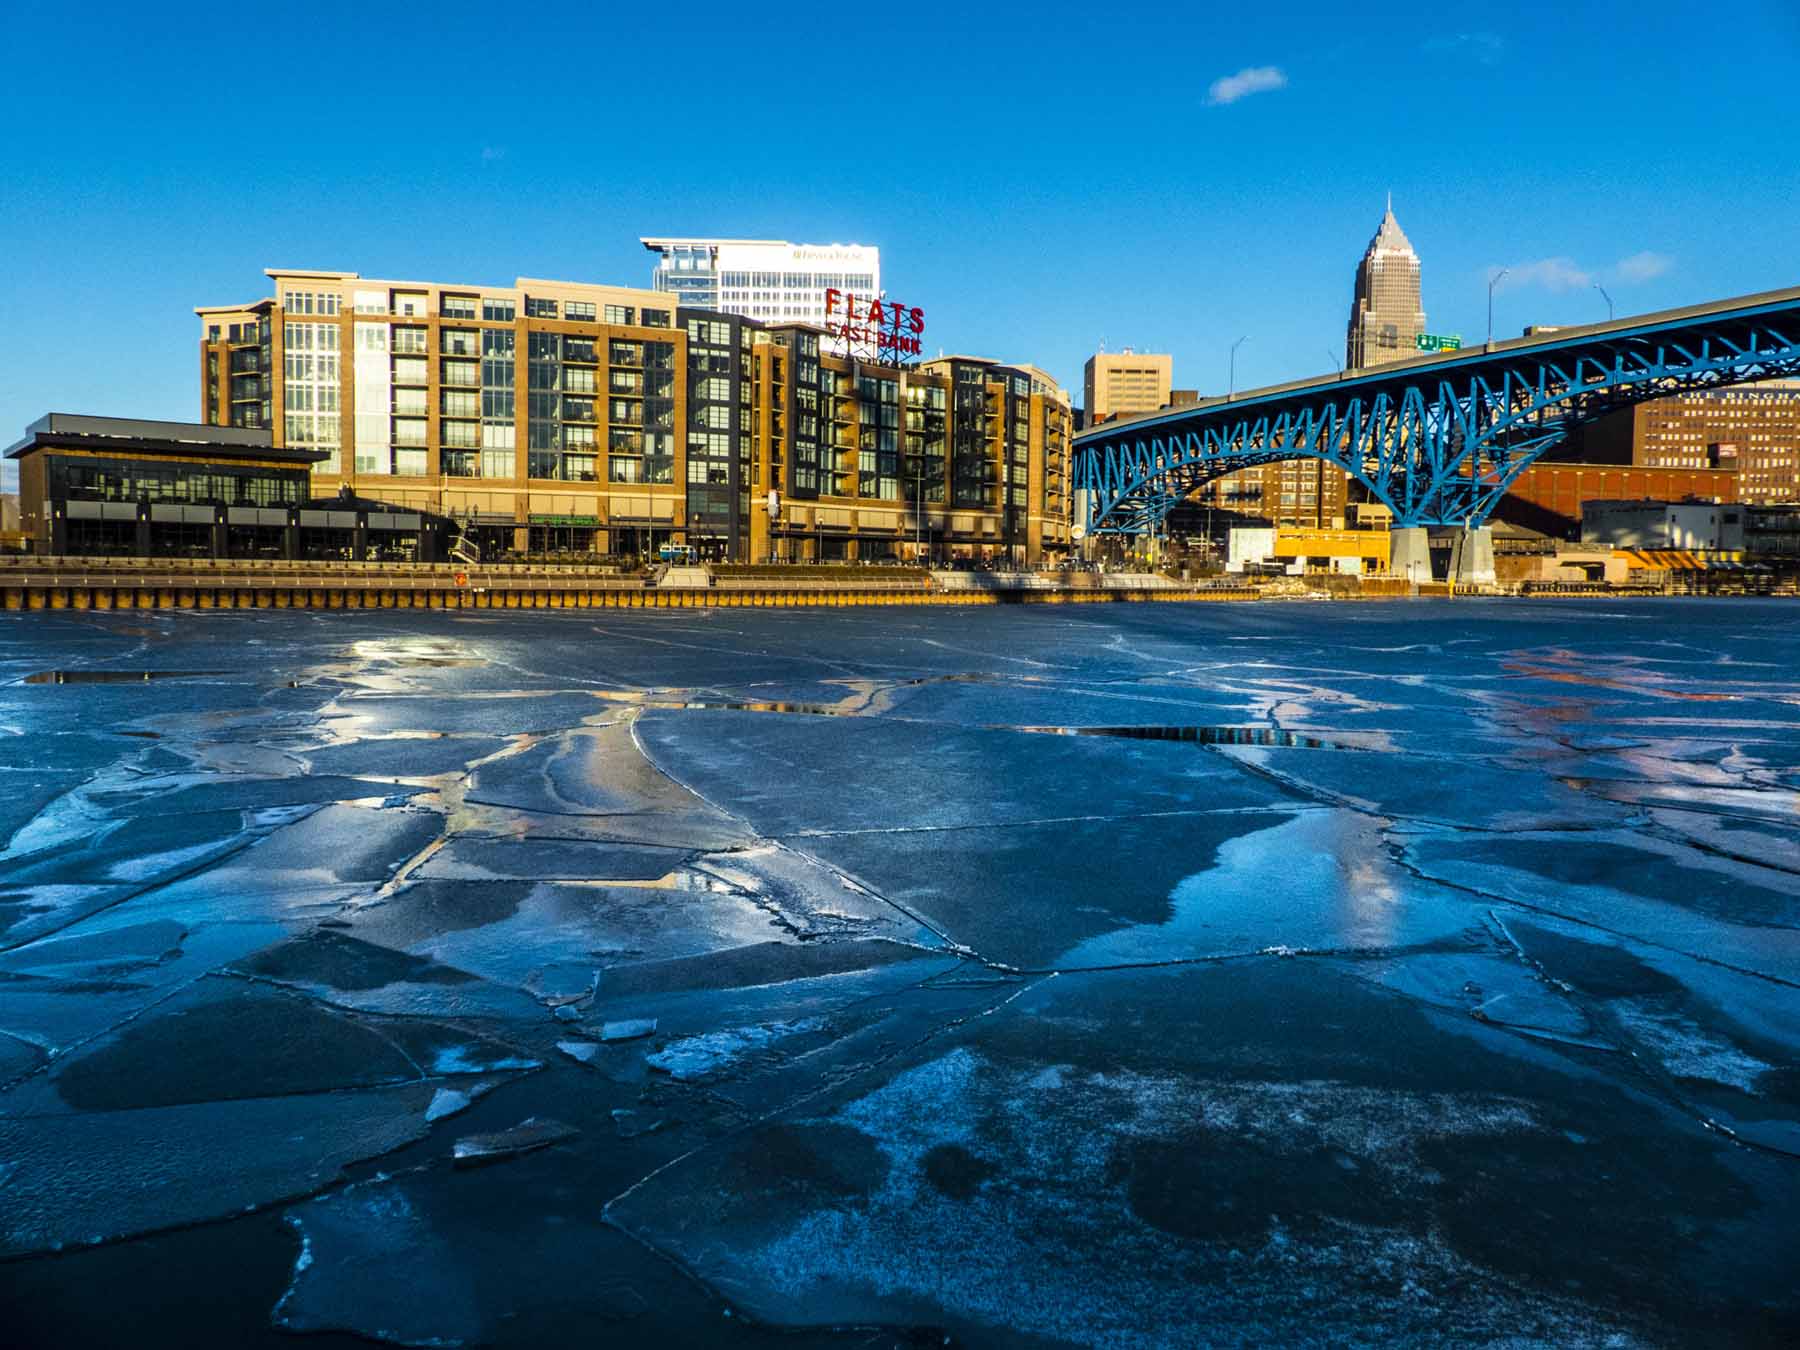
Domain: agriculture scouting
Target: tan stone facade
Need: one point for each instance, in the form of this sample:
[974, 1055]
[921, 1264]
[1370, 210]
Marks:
[1116, 383]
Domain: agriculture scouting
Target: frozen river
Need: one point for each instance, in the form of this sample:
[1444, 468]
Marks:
[1107, 976]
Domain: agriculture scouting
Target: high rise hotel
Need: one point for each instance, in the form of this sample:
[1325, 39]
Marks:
[552, 415]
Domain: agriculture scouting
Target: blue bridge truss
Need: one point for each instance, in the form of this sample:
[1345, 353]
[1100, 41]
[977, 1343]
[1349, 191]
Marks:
[1439, 439]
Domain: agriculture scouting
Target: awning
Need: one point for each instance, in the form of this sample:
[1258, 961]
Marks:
[1683, 560]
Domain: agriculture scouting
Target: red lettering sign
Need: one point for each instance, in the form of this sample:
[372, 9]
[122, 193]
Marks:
[890, 327]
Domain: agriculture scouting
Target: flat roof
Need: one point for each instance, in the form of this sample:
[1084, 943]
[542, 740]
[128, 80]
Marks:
[124, 434]
[247, 307]
[655, 244]
[518, 284]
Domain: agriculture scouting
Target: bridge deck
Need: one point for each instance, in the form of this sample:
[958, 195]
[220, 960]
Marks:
[1564, 338]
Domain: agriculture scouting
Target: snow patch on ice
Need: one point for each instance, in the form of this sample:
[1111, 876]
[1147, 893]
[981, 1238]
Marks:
[695, 1057]
[454, 1059]
[1687, 1050]
[1043, 1249]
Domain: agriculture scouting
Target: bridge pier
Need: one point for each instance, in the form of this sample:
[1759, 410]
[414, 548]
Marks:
[1409, 553]
[1472, 557]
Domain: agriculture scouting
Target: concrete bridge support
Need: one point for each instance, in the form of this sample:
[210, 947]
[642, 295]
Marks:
[1472, 557]
[1409, 555]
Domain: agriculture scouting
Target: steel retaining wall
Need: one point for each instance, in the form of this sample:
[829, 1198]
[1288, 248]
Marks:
[96, 589]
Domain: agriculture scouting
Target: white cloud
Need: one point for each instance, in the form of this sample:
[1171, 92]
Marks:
[1559, 274]
[489, 153]
[1250, 80]
[1645, 266]
[1552, 274]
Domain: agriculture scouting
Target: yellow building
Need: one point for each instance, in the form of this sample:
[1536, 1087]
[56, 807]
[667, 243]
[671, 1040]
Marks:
[561, 416]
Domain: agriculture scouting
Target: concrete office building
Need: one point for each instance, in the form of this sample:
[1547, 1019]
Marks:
[1387, 314]
[562, 417]
[1114, 384]
[769, 280]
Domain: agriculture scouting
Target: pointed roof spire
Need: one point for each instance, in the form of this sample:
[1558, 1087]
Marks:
[1389, 237]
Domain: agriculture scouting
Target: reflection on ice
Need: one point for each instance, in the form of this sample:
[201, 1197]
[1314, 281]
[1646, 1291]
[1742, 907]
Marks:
[1320, 881]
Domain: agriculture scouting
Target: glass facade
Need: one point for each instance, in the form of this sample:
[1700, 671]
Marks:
[310, 384]
[878, 463]
[926, 442]
[713, 434]
[373, 388]
[93, 479]
[971, 477]
[499, 437]
[686, 272]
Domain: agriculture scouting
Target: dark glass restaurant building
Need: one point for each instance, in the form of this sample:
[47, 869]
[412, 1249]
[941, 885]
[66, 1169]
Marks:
[125, 487]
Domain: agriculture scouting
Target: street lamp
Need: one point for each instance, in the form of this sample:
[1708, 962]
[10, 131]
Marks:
[1336, 360]
[918, 509]
[1493, 281]
[1604, 296]
[1231, 385]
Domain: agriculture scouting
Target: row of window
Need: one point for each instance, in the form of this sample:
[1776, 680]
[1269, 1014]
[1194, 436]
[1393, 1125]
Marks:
[862, 282]
[549, 465]
[137, 480]
[253, 331]
[311, 302]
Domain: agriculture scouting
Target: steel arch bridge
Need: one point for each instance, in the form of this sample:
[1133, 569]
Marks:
[1441, 438]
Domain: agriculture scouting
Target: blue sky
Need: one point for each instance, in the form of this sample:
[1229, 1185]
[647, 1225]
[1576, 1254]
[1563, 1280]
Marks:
[1040, 179]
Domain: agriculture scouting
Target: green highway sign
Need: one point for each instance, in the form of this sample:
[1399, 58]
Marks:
[1431, 342]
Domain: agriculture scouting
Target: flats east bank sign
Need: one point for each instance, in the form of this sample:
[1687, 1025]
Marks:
[886, 327]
